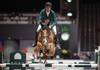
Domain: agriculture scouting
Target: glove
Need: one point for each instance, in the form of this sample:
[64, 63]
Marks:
[50, 26]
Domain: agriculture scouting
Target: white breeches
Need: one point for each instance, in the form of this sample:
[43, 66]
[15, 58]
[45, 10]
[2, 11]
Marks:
[53, 29]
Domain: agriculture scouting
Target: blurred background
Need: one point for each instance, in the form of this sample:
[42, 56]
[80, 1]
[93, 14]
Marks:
[78, 25]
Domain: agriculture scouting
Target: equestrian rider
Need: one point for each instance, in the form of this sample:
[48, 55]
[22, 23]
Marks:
[47, 18]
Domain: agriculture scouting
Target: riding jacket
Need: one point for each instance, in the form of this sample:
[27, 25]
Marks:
[52, 18]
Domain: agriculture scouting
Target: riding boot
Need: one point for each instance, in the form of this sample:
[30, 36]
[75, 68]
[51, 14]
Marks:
[56, 39]
[35, 39]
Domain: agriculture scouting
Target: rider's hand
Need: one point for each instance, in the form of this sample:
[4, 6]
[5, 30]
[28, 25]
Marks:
[50, 26]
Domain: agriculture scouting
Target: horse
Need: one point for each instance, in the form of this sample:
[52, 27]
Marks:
[46, 43]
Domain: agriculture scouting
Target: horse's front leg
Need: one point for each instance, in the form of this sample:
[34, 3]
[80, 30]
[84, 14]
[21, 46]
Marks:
[51, 47]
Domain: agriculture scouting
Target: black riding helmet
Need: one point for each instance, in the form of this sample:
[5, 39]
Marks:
[48, 4]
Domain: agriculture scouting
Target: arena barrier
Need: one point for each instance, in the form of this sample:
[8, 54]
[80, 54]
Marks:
[61, 64]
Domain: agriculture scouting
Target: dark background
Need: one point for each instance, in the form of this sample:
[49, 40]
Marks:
[26, 5]
[89, 24]
[89, 19]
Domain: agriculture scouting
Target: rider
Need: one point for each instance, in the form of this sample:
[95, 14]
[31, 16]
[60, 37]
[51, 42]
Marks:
[47, 18]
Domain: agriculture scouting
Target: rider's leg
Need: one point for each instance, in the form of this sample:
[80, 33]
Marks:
[55, 32]
[39, 27]
[54, 29]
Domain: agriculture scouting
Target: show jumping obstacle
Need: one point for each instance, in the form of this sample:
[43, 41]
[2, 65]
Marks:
[60, 64]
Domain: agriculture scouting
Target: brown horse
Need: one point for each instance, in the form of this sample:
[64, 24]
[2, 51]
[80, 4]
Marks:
[46, 43]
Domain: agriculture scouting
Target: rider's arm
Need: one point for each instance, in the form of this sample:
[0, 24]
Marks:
[53, 19]
[39, 18]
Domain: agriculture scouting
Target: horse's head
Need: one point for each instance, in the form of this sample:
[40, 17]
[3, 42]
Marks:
[46, 40]
[45, 32]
